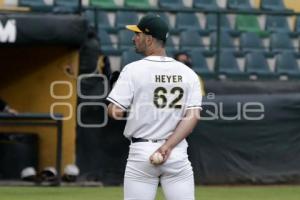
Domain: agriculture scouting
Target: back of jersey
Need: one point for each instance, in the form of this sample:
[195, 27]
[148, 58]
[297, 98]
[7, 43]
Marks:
[157, 91]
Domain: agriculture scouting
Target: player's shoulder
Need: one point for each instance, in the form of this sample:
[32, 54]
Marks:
[132, 66]
[187, 71]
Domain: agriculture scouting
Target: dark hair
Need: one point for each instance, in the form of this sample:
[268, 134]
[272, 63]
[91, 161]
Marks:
[176, 55]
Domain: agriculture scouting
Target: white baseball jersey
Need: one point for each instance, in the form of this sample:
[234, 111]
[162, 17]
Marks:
[156, 91]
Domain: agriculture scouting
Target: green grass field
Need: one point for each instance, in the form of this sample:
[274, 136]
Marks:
[115, 193]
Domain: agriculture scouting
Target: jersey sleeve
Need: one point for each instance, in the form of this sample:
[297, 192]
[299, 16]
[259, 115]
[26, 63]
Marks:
[122, 92]
[194, 99]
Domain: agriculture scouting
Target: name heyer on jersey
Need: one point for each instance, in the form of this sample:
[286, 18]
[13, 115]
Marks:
[168, 78]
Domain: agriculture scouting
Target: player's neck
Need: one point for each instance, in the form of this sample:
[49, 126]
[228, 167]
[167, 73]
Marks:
[156, 52]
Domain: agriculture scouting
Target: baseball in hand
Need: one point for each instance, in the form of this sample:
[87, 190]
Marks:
[157, 158]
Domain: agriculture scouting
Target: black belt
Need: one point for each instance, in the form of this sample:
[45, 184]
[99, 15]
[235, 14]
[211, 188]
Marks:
[133, 140]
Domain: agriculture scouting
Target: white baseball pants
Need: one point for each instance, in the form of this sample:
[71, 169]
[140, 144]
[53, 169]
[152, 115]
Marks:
[142, 178]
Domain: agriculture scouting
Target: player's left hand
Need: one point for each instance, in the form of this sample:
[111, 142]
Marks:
[165, 151]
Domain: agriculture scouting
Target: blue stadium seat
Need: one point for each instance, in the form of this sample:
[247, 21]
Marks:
[90, 16]
[277, 24]
[106, 43]
[297, 25]
[187, 21]
[125, 39]
[228, 65]
[239, 5]
[286, 64]
[102, 20]
[171, 4]
[199, 63]
[66, 6]
[281, 42]
[189, 40]
[124, 18]
[206, 4]
[170, 46]
[250, 41]
[211, 22]
[163, 15]
[226, 41]
[36, 5]
[272, 5]
[256, 64]
[129, 56]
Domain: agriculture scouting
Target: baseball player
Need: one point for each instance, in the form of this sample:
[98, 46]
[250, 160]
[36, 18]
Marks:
[163, 101]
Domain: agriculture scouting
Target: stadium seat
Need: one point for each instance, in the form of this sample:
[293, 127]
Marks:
[199, 64]
[125, 39]
[163, 15]
[170, 46]
[129, 56]
[239, 5]
[211, 22]
[187, 21]
[256, 64]
[281, 41]
[102, 20]
[189, 40]
[90, 16]
[124, 18]
[105, 42]
[226, 41]
[248, 23]
[273, 5]
[286, 64]
[250, 41]
[36, 5]
[206, 4]
[228, 65]
[103, 3]
[277, 24]
[297, 25]
[66, 5]
[137, 3]
[171, 4]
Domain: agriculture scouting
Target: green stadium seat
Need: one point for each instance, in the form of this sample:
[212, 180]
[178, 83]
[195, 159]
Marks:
[103, 3]
[249, 23]
[66, 6]
[206, 4]
[286, 64]
[137, 3]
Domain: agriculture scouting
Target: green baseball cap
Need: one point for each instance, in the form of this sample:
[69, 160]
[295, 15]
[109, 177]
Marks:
[151, 24]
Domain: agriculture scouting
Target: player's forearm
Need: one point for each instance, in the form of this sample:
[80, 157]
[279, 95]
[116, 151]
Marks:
[115, 112]
[184, 128]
